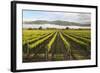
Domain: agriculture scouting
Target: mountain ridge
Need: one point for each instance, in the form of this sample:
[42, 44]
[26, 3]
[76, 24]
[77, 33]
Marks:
[56, 22]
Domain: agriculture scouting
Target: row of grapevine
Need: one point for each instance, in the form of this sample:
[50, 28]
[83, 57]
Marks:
[81, 43]
[80, 38]
[32, 36]
[83, 34]
[78, 51]
[67, 45]
[33, 49]
[35, 39]
[57, 45]
[40, 41]
[51, 42]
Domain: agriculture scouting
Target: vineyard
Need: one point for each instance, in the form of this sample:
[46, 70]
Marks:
[56, 44]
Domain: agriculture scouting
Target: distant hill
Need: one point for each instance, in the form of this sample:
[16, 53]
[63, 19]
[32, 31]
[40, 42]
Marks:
[57, 22]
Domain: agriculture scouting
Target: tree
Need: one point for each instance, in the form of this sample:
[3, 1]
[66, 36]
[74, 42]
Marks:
[40, 27]
[67, 27]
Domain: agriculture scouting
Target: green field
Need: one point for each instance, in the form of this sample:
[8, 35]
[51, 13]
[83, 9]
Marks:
[56, 44]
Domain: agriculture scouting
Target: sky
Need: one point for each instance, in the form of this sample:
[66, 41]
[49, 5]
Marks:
[83, 18]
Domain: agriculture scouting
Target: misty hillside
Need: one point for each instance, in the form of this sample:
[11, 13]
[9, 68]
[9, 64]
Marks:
[56, 22]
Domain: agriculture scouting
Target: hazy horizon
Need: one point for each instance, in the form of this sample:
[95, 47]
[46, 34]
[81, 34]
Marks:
[29, 15]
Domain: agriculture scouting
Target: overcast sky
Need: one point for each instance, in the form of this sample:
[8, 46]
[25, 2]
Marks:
[83, 18]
